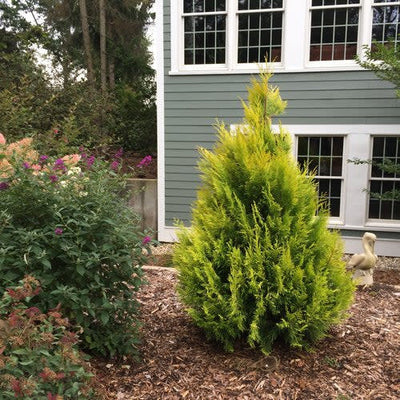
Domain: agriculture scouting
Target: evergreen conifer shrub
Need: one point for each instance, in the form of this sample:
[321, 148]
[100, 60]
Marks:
[258, 263]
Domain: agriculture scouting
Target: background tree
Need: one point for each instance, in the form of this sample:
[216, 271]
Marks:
[121, 107]
[384, 60]
[86, 41]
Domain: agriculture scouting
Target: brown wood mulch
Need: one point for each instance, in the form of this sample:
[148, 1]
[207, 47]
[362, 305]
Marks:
[359, 360]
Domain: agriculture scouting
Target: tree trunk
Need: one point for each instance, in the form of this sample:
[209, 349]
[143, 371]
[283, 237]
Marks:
[103, 39]
[111, 74]
[86, 41]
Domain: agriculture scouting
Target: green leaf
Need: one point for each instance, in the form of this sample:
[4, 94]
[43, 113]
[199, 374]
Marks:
[80, 269]
[27, 362]
[104, 318]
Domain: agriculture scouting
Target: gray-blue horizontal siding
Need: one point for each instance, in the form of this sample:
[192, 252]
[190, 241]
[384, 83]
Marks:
[193, 103]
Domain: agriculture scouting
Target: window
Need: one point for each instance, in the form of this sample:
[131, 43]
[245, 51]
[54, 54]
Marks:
[384, 184]
[385, 21]
[324, 155]
[205, 31]
[259, 30]
[233, 36]
[334, 29]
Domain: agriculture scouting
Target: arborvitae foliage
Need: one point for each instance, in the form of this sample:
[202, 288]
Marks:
[258, 263]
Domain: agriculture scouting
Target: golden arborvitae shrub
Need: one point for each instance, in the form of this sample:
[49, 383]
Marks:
[258, 263]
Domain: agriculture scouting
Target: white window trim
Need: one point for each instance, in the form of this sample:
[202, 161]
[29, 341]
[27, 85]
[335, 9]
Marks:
[358, 144]
[355, 215]
[333, 221]
[375, 222]
[295, 42]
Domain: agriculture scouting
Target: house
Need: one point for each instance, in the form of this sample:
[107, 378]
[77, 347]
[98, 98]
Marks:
[336, 110]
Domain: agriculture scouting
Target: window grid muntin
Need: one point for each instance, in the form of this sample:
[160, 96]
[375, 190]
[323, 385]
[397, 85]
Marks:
[316, 154]
[382, 182]
[256, 40]
[334, 38]
[334, 3]
[204, 32]
[202, 6]
[259, 4]
[383, 30]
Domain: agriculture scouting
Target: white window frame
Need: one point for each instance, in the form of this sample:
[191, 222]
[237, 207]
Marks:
[181, 39]
[357, 144]
[296, 26]
[379, 221]
[375, 3]
[339, 220]
[333, 63]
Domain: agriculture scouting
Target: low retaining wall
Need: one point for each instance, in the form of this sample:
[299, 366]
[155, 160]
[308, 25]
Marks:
[143, 200]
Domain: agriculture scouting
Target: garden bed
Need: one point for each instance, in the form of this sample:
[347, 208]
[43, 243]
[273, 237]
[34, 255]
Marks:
[359, 360]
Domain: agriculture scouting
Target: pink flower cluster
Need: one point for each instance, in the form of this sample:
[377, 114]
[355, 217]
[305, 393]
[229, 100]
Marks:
[145, 162]
[22, 153]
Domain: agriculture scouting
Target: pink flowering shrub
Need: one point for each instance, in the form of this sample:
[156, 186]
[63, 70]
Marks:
[39, 358]
[65, 221]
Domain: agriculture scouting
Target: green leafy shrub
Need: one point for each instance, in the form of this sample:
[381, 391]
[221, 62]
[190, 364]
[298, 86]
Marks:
[258, 262]
[66, 222]
[38, 354]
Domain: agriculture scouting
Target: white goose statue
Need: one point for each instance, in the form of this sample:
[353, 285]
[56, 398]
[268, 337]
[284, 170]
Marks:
[363, 264]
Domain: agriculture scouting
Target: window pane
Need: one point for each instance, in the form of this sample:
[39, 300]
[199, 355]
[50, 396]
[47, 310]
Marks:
[334, 207]
[374, 209]
[259, 4]
[221, 40]
[210, 6]
[191, 6]
[188, 6]
[385, 23]
[319, 154]
[302, 162]
[334, 31]
[210, 40]
[254, 4]
[189, 57]
[254, 21]
[220, 56]
[337, 146]
[302, 149]
[210, 56]
[384, 187]
[203, 36]
[243, 4]
[220, 5]
[324, 166]
[199, 57]
[337, 164]
[314, 146]
[259, 35]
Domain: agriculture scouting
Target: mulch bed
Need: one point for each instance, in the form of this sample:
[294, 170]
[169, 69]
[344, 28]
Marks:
[359, 360]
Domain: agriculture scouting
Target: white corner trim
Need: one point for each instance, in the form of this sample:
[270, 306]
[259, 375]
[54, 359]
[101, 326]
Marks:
[159, 59]
[175, 25]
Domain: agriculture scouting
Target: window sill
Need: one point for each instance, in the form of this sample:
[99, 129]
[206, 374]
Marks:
[335, 223]
[384, 225]
[256, 69]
